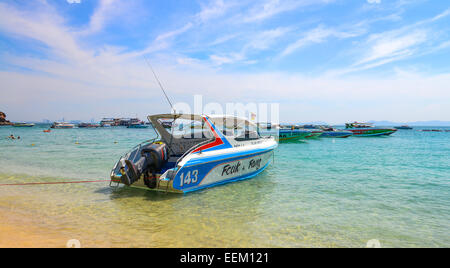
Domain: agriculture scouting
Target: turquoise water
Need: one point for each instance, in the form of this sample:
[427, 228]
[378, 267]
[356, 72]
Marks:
[318, 193]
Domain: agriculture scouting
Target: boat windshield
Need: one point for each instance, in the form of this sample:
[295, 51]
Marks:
[237, 128]
[182, 128]
[358, 125]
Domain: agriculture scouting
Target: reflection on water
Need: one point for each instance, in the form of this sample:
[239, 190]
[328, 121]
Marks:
[324, 192]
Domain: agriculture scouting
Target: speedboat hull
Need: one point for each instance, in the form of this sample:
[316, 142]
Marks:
[137, 126]
[371, 132]
[314, 134]
[23, 125]
[220, 170]
[336, 134]
[286, 135]
[57, 125]
[289, 135]
[404, 127]
[209, 170]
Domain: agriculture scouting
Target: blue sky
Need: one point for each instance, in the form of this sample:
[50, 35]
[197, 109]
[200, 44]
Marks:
[321, 60]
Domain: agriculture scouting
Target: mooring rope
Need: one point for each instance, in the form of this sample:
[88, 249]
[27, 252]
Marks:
[44, 183]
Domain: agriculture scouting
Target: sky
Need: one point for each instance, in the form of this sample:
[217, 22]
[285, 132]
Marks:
[320, 60]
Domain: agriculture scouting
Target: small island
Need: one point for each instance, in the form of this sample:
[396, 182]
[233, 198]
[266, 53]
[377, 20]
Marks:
[3, 121]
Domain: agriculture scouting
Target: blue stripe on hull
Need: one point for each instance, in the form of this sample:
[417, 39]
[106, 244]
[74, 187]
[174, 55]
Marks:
[240, 178]
[205, 168]
[375, 135]
[336, 134]
[228, 156]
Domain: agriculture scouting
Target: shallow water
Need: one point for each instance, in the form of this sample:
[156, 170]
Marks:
[319, 193]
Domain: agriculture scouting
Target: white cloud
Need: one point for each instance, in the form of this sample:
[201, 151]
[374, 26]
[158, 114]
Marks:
[100, 16]
[216, 9]
[374, 1]
[271, 8]
[386, 47]
[393, 45]
[263, 40]
[174, 33]
[227, 59]
[74, 1]
[317, 35]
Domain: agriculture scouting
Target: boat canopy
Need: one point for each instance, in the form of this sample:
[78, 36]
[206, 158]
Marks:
[230, 121]
[181, 132]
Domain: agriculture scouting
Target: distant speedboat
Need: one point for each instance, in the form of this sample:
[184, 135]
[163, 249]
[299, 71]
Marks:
[330, 132]
[225, 149]
[404, 127]
[88, 125]
[138, 125]
[312, 133]
[293, 134]
[23, 125]
[368, 130]
[62, 125]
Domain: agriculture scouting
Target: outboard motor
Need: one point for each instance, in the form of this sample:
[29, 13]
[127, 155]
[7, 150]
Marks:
[153, 157]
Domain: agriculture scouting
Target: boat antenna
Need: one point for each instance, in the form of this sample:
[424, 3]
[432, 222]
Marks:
[160, 85]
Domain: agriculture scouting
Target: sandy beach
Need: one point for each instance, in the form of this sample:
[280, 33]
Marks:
[18, 232]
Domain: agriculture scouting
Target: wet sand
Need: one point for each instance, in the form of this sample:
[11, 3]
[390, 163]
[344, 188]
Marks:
[15, 233]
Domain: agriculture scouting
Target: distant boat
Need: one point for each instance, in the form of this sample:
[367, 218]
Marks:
[310, 127]
[23, 125]
[88, 125]
[138, 125]
[292, 134]
[368, 130]
[404, 127]
[329, 132]
[108, 122]
[62, 125]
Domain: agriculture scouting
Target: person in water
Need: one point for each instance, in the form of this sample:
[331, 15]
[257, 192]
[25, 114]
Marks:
[12, 137]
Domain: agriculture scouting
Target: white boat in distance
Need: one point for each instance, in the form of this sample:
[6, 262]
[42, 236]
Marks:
[62, 125]
[197, 152]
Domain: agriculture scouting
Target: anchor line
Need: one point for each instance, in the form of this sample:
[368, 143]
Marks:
[50, 183]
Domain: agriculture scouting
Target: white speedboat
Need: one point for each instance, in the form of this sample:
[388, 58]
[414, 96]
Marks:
[196, 152]
[23, 125]
[62, 125]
